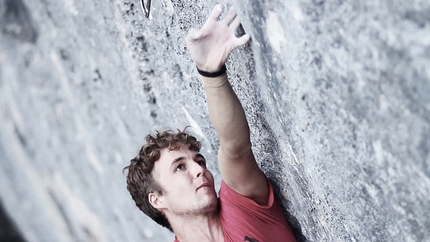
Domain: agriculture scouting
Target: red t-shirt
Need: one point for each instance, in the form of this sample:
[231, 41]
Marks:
[242, 219]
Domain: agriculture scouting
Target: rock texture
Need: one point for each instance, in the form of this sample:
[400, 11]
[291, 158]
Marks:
[336, 93]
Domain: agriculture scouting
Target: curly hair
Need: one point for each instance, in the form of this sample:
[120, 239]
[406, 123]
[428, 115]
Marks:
[140, 182]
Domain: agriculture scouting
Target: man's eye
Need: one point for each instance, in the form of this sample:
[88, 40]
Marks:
[179, 167]
[202, 163]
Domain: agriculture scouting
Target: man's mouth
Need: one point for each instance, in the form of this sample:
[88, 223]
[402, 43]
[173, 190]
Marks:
[204, 184]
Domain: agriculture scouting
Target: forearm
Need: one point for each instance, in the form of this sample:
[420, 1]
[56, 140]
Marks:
[227, 115]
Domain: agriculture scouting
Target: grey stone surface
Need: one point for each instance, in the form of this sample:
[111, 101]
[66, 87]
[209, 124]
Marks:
[336, 93]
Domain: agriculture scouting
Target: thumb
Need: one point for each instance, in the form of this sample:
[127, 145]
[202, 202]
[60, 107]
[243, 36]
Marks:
[193, 34]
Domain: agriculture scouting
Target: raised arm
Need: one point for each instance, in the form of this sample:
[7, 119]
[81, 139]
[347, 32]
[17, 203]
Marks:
[210, 47]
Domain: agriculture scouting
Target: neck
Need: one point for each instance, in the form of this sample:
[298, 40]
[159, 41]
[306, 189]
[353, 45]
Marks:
[198, 228]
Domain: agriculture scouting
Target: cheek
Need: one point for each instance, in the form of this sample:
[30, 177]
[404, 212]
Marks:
[181, 182]
[210, 175]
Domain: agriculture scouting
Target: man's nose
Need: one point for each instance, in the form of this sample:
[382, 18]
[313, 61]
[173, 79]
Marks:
[198, 170]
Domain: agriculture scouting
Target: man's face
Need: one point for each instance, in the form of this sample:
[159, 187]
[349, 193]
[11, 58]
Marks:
[188, 186]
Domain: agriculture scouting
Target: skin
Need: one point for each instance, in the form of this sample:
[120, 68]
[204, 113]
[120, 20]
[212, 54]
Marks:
[188, 186]
[189, 199]
[210, 47]
[193, 213]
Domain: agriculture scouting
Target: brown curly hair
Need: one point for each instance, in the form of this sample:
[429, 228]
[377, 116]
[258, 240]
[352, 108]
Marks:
[140, 182]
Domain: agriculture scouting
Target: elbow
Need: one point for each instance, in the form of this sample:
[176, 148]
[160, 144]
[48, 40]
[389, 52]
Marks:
[236, 151]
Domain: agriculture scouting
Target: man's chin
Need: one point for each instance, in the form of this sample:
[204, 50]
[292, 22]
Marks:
[211, 205]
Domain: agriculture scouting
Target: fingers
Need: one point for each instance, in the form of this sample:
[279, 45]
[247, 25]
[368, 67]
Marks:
[242, 40]
[235, 24]
[216, 12]
[230, 16]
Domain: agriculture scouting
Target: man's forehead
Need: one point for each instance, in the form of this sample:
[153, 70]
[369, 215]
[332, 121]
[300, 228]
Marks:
[182, 150]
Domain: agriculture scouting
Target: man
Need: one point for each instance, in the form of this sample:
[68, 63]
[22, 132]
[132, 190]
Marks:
[169, 180]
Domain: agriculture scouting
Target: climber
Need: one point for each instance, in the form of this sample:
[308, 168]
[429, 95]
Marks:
[169, 180]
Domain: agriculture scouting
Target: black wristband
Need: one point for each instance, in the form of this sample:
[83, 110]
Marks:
[213, 74]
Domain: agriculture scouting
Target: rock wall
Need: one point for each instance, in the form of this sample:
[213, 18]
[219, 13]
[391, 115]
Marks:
[336, 93]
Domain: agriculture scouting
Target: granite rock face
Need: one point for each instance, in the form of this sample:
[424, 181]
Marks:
[337, 95]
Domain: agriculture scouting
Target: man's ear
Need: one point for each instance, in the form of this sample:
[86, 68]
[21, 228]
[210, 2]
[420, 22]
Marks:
[156, 201]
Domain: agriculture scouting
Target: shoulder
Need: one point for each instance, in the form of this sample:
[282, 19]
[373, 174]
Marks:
[241, 173]
[242, 217]
[229, 196]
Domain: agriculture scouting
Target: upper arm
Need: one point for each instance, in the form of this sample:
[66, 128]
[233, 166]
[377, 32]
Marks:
[240, 172]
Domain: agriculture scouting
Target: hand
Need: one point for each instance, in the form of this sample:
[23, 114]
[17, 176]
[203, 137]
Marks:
[211, 45]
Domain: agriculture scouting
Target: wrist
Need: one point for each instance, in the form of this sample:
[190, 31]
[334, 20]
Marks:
[218, 73]
[214, 82]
